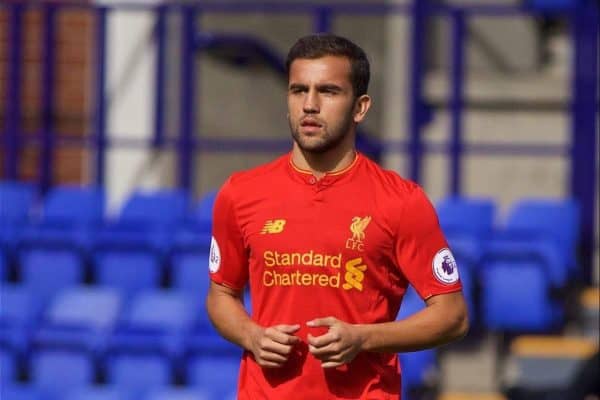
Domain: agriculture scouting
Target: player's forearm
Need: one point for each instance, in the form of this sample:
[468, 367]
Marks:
[436, 325]
[230, 319]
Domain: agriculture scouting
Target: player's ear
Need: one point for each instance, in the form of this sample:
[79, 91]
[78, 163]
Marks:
[361, 107]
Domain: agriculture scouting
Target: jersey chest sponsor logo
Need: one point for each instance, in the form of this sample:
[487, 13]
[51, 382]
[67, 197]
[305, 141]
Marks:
[358, 227]
[282, 273]
[273, 226]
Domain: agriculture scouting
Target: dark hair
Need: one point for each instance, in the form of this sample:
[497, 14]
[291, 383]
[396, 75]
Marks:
[321, 45]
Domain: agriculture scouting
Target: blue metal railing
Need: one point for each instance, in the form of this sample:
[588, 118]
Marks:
[584, 22]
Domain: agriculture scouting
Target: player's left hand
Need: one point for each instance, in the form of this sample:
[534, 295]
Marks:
[336, 347]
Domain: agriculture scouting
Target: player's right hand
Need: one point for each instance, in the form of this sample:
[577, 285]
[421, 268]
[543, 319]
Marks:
[272, 346]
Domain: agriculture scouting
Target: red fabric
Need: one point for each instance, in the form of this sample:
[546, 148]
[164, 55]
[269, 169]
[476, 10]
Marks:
[314, 265]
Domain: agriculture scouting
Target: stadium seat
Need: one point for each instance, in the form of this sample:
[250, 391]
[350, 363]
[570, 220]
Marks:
[472, 217]
[147, 221]
[15, 208]
[217, 375]
[157, 321]
[69, 216]
[189, 271]
[21, 392]
[172, 393]
[138, 373]
[19, 312]
[154, 208]
[105, 392]
[556, 220]
[8, 369]
[547, 364]
[538, 250]
[56, 371]
[81, 317]
[130, 271]
[517, 285]
[47, 271]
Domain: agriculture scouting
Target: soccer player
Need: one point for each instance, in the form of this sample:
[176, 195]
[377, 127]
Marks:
[328, 243]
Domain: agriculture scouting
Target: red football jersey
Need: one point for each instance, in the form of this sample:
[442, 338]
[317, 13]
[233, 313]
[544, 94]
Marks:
[346, 245]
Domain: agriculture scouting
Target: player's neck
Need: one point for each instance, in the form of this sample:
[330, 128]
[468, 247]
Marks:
[322, 163]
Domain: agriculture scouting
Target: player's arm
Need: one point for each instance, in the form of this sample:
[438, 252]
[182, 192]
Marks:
[228, 266]
[442, 321]
[271, 346]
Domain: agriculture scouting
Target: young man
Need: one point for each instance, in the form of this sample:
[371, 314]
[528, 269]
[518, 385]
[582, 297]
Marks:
[328, 243]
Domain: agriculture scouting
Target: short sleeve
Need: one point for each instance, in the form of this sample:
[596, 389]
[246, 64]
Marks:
[421, 249]
[228, 261]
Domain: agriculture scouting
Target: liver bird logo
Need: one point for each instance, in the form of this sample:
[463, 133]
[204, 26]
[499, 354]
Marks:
[358, 227]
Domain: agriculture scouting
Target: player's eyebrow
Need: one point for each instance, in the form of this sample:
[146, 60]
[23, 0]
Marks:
[329, 87]
[298, 86]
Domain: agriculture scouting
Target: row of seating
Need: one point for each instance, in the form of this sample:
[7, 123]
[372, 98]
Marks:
[70, 216]
[46, 270]
[56, 374]
[518, 263]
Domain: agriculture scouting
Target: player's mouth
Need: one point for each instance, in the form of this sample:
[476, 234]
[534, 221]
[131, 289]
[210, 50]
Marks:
[310, 124]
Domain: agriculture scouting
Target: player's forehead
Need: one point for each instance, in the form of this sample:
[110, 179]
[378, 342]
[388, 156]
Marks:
[322, 70]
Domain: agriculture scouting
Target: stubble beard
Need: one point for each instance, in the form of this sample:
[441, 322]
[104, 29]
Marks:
[328, 140]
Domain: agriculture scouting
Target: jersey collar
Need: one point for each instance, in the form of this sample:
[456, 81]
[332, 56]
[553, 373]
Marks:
[307, 177]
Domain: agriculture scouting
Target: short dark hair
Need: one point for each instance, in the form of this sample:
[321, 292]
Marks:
[321, 45]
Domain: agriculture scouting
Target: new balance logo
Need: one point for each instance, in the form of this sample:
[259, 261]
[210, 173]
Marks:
[273, 226]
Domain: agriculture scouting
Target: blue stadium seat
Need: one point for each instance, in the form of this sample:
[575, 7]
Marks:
[15, 208]
[21, 392]
[69, 216]
[172, 393]
[146, 221]
[138, 373]
[47, 271]
[127, 270]
[516, 285]
[556, 220]
[56, 371]
[189, 272]
[105, 392]
[8, 368]
[81, 317]
[158, 321]
[507, 248]
[19, 312]
[216, 375]
[466, 216]
[161, 207]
